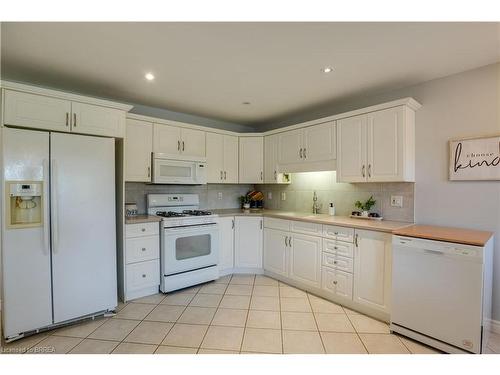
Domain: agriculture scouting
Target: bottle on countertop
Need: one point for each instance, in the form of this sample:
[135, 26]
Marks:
[331, 209]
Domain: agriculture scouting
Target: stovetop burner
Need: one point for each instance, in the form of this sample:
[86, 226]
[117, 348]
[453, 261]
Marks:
[169, 214]
[196, 213]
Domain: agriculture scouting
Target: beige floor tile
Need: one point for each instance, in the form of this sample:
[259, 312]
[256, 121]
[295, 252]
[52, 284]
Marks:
[225, 338]
[265, 280]
[55, 345]
[154, 299]
[22, 345]
[333, 322]
[230, 317]
[264, 319]
[239, 290]
[235, 302]
[291, 292]
[178, 299]
[494, 342]
[121, 305]
[342, 343]
[223, 280]
[265, 291]
[418, 348]
[149, 333]
[135, 311]
[302, 342]
[213, 288]
[190, 290]
[114, 329]
[295, 304]
[197, 315]
[298, 321]
[265, 303]
[350, 312]
[242, 279]
[131, 348]
[206, 300]
[321, 305]
[165, 313]
[185, 335]
[175, 350]
[365, 324]
[81, 330]
[90, 346]
[262, 340]
[383, 344]
[217, 351]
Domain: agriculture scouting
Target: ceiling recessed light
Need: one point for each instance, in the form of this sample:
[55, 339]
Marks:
[327, 69]
[149, 76]
[246, 103]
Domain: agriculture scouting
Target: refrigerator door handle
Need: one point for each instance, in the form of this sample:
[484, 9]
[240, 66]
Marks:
[53, 194]
[46, 221]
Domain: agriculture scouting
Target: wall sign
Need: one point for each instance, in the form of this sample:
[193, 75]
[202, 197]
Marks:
[475, 159]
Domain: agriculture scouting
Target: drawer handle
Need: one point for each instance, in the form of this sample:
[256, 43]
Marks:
[143, 229]
[143, 275]
[336, 233]
[335, 282]
[335, 247]
[143, 249]
[334, 262]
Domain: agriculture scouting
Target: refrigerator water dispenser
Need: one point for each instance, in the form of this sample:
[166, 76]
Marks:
[25, 208]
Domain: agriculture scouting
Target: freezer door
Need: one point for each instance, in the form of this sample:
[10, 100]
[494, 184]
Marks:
[83, 225]
[26, 252]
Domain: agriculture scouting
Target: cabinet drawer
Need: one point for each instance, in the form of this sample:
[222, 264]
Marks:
[140, 230]
[344, 249]
[338, 262]
[143, 275]
[337, 282]
[279, 224]
[140, 249]
[338, 233]
[306, 228]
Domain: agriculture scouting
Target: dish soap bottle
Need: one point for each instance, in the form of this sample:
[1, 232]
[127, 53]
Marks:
[331, 209]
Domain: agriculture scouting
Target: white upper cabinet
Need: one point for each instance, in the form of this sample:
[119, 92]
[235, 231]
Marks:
[251, 160]
[96, 120]
[222, 158]
[271, 166]
[290, 147]
[179, 143]
[377, 147]
[138, 148]
[50, 113]
[372, 269]
[320, 142]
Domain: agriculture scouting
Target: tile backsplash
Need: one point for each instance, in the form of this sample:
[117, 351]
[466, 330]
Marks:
[299, 194]
[209, 194]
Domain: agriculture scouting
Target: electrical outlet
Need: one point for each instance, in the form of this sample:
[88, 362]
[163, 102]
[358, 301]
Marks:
[283, 196]
[219, 195]
[396, 200]
[269, 195]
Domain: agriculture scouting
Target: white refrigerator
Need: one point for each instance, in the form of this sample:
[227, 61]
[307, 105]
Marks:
[64, 267]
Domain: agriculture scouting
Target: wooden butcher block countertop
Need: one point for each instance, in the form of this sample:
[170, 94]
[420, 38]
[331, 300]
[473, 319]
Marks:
[455, 235]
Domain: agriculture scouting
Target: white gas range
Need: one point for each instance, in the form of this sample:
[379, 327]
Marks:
[189, 242]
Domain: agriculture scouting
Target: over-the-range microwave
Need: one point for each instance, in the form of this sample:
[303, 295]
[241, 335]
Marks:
[184, 172]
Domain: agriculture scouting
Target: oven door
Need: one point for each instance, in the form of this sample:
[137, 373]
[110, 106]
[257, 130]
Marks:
[166, 171]
[190, 248]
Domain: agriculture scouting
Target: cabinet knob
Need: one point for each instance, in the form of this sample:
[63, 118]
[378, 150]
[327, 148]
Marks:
[143, 249]
[334, 262]
[335, 247]
[143, 275]
[336, 233]
[335, 282]
[143, 229]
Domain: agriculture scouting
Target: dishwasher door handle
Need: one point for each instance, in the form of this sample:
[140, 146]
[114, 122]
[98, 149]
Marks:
[433, 252]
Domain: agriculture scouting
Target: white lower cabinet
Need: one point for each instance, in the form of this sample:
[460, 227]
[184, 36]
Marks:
[372, 269]
[248, 233]
[276, 249]
[305, 259]
[226, 255]
[337, 282]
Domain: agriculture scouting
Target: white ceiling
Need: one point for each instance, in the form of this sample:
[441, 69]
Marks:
[209, 69]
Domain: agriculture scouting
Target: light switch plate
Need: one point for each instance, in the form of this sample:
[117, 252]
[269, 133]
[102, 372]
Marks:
[283, 196]
[396, 200]
[219, 195]
[269, 195]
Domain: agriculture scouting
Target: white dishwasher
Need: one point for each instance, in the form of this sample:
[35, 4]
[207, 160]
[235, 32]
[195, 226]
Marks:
[437, 293]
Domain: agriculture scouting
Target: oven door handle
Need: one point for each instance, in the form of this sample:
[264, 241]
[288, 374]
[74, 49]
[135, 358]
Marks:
[190, 228]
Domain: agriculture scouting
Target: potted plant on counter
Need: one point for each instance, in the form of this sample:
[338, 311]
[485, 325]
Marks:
[366, 206]
[245, 202]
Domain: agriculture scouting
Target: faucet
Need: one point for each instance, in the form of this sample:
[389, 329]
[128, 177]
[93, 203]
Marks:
[315, 206]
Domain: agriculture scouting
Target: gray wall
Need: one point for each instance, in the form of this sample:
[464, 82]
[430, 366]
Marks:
[461, 105]
[299, 194]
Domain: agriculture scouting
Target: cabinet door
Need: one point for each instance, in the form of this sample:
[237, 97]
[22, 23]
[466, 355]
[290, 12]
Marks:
[193, 143]
[251, 163]
[320, 142]
[305, 260]
[215, 158]
[385, 145]
[226, 230]
[289, 147]
[138, 147]
[372, 269]
[337, 282]
[97, 120]
[270, 159]
[230, 159]
[275, 251]
[248, 242]
[351, 157]
[167, 139]
[36, 111]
